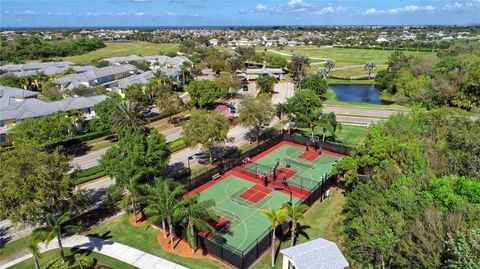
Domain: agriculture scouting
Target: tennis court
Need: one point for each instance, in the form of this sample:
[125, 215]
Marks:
[307, 173]
[241, 194]
[246, 222]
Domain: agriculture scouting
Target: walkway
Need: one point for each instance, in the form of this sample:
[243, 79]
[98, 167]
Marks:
[109, 248]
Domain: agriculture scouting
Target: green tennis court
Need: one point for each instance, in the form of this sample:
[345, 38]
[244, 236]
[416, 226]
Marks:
[246, 220]
[309, 173]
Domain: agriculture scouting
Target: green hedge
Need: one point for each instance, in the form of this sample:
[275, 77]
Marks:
[177, 145]
[76, 139]
[89, 174]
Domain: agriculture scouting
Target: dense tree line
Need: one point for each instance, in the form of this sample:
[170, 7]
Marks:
[414, 192]
[451, 78]
[31, 47]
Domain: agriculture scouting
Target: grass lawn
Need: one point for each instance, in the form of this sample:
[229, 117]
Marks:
[121, 231]
[124, 49]
[351, 135]
[52, 255]
[357, 71]
[325, 219]
[350, 82]
[345, 56]
[14, 247]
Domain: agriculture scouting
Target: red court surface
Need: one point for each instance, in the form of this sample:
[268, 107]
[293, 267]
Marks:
[218, 225]
[309, 155]
[285, 173]
[255, 194]
[270, 150]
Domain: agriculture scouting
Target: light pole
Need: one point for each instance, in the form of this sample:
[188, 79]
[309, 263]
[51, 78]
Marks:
[189, 172]
[285, 183]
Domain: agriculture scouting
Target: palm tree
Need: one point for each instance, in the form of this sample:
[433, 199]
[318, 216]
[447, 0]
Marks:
[329, 64]
[33, 248]
[286, 109]
[196, 213]
[299, 64]
[329, 120]
[55, 228]
[295, 215]
[127, 115]
[370, 66]
[235, 63]
[276, 217]
[323, 72]
[131, 195]
[162, 201]
[77, 118]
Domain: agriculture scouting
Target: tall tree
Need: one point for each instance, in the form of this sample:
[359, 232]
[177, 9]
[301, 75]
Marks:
[295, 214]
[43, 131]
[276, 217]
[254, 113]
[329, 64]
[306, 106]
[266, 83]
[299, 64]
[104, 112]
[162, 203]
[134, 153]
[330, 123]
[208, 129]
[33, 248]
[235, 63]
[55, 227]
[128, 116]
[170, 103]
[35, 182]
[315, 83]
[463, 251]
[205, 92]
[370, 67]
[196, 213]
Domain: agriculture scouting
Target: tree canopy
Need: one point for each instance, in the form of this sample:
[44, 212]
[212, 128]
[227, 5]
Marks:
[208, 129]
[134, 153]
[205, 92]
[266, 83]
[315, 83]
[254, 113]
[33, 183]
[44, 130]
[412, 183]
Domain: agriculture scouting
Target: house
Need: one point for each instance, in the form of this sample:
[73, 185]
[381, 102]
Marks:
[16, 105]
[97, 76]
[315, 254]
[123, 83]
[213, 42]
[31, 68]
[254, 73]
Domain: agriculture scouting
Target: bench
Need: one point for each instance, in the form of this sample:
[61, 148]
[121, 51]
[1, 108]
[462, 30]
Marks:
[216, 176]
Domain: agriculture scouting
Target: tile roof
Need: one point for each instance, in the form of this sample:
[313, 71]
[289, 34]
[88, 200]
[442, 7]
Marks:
[16, 92]
[29, 108]
[316, 254]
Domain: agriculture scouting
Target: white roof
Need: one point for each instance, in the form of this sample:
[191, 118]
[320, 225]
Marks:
[316, 254]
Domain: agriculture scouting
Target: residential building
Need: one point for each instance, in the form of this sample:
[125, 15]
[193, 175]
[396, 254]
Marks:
[97, 76]
[18, 104]
[252, 74]
[31, 68]
[315, 254]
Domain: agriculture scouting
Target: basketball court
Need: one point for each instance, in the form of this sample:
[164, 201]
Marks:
[284, 173]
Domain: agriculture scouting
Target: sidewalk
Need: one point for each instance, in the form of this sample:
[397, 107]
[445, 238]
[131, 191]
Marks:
[109, 248]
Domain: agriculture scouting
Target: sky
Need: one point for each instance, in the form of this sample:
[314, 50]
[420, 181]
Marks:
[167, 13]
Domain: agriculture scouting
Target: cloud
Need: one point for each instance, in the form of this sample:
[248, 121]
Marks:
[171, 14]
[295, 2]
[260, 7]
[460, 6]
[140, 1]
[401, 10]
[331, 10]
[141, 13]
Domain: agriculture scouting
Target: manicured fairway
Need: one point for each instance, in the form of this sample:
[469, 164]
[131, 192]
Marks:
[124, 49]
[246, 220]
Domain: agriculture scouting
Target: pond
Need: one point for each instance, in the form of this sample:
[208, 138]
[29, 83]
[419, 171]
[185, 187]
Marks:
[357, 93]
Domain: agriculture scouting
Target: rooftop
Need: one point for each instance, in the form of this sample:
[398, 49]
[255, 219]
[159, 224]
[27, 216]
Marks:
[316, 254]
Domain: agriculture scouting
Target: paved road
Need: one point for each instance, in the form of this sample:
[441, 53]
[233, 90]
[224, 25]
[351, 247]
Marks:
[109, 248]
[362, 112]
[282, 92]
